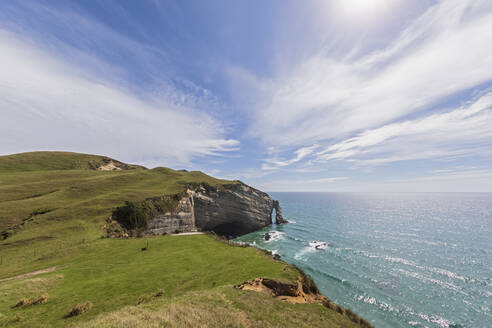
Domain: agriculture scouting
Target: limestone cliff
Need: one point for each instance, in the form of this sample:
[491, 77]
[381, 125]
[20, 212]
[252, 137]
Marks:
[229, 210]
[180, 220]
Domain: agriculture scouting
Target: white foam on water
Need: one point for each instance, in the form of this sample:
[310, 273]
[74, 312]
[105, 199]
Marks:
[399, 260]
[274, 236]
[450, 274]
[299, 255]
[318, 245]
[440, 321]
[440, 271]
[373, 301]
[425, 279]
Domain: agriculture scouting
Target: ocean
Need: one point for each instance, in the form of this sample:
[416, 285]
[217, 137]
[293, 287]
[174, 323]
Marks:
[399, 259]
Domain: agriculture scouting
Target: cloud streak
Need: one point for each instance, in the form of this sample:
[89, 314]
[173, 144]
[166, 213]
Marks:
[459, 132]
[446, 51]
[274, 163]
[46, 103]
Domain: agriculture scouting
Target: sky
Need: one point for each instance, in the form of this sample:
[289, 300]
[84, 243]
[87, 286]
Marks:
[285, 95]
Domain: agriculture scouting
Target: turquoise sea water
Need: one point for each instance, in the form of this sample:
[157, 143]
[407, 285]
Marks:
[399, 260]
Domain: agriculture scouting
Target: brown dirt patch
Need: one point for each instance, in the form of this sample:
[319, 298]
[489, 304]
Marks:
[29, 274]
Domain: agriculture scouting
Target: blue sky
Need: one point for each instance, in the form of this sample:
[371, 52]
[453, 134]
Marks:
[341, 95]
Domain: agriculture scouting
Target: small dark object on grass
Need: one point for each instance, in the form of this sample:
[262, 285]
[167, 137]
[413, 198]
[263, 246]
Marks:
[40, 300]
[32, 301]
[21, 302]
[146, 247]
[148, 297]
[80, 308]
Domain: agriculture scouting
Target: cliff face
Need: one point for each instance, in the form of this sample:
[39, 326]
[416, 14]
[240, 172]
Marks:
[229, 210]
[180, 220]
[232, 210]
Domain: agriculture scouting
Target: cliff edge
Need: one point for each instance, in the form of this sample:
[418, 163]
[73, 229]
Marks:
[229, 210]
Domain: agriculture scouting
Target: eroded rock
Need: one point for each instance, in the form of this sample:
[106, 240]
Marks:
[279, 219]
[228, 210]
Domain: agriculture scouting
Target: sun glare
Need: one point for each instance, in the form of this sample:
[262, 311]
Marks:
[363, 8]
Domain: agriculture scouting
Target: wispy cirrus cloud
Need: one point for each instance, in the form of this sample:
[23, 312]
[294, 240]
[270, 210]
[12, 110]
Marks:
[48, 104]
[459, 132]
[275, 163]
[443, 52]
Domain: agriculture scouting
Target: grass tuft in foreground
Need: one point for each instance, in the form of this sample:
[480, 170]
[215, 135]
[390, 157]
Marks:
[80, 309]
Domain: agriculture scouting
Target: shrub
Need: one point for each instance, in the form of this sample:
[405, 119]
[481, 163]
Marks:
[31, 301]
[41, 211]
[21, 302]
[80, 308]
[148, 297]
[40, 300]
[136, 215]
[131, 216]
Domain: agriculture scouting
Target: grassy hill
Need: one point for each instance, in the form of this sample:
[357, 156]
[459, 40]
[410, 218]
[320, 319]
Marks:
[53, 207]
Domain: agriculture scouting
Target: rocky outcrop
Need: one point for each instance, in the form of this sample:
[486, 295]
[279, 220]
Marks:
[279, 219]
[232, 210]
[228, 210]
[302, 292]
[109, 164]
[290, 292]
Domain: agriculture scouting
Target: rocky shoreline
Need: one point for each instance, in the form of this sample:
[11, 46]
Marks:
[303, 291]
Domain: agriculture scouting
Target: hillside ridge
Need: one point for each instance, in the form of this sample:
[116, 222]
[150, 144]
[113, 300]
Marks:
[59, 204]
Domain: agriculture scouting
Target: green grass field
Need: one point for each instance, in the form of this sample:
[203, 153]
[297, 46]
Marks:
[60, 203]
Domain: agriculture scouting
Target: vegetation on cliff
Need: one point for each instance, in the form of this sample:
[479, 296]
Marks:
[53, 207]
[136, 215]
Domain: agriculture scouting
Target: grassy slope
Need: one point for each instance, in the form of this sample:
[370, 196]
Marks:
[79, 201]
[112, 274]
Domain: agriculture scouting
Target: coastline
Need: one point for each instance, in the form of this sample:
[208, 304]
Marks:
[305, 292]
[62, 206]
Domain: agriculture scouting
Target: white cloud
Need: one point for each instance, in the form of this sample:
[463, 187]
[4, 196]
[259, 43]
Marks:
[274, 163]
[47, 104]
[459, 132]
[326, 180]
[445, 51]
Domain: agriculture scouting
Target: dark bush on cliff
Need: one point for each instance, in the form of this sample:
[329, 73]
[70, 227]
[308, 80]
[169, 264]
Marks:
[136, 215]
